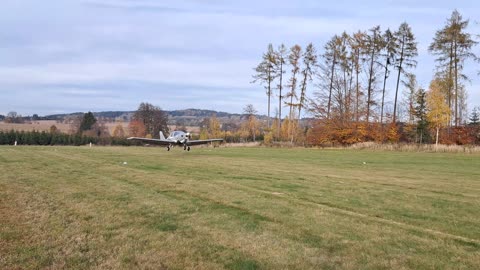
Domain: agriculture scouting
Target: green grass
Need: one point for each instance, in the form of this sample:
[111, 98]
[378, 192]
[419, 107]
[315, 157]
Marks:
[237, 208]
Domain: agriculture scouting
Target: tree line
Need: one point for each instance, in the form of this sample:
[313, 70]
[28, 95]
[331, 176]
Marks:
[147, 121]
[43, 138]
[349, 78]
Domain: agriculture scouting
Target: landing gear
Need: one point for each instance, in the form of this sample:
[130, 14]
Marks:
[168, 148]
[184, 147]
[188, 148]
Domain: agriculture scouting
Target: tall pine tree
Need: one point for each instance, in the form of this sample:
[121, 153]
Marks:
[453, 46]
[88, 121]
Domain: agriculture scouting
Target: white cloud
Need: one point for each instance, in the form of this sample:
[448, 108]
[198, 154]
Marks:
[192, 71]
[190, 45]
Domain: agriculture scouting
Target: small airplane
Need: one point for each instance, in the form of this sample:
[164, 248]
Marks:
[175, 138]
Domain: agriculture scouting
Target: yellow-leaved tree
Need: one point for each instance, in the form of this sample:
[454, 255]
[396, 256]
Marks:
[210, 128]
[438, 113]
[251, 125]
[214, 127]
[119, 132]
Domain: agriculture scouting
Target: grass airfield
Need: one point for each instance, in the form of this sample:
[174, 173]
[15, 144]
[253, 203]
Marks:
[237, 208]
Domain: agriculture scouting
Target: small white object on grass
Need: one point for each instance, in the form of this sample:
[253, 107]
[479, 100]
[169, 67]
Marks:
[364, 163]
[124, 163]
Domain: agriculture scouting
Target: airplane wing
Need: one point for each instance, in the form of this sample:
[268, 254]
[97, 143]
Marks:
[153, 141]
[197, 142]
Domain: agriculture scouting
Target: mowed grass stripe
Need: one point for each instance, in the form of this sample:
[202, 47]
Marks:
[337, 210]
[291, 185]
[338, 189]
[150, 224]
[251, 211]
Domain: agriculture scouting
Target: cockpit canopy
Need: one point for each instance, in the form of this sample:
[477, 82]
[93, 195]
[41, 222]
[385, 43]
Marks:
[177, 134]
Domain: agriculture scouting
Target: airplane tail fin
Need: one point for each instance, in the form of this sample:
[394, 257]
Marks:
[161, 136]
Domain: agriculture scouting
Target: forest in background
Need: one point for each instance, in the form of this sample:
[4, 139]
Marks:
[348, 78]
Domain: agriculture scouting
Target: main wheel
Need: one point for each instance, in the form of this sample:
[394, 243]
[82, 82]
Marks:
[188, 148]
[168, 148]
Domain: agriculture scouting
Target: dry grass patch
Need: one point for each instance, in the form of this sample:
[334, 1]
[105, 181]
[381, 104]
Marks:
[442, 148]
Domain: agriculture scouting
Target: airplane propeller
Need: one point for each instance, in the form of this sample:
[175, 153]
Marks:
[187, 137]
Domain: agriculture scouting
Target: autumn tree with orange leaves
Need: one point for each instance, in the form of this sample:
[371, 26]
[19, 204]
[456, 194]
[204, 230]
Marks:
[136, 128]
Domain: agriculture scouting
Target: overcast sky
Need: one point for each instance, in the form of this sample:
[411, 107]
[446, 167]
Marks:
[60, 56]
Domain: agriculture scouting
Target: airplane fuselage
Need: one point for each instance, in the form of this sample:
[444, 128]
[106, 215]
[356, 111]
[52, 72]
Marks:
[178, 137]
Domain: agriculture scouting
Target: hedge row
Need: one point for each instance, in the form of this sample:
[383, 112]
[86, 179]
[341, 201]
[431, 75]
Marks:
[47, 138]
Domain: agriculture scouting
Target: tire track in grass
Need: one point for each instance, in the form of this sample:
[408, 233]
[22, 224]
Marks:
[234, 259]
[339, 210]
[348, 212]
[327, 206]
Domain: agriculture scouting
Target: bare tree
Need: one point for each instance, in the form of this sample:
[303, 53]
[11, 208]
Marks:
[373, 44]
[13, 117]
[330, 60]
[336, 75]
[265, 74]
[154, 119]
[357, 45]
[390, 49]
[280, 56]
[294, 60]
[344, 84]
[309, 64]
[407, 51]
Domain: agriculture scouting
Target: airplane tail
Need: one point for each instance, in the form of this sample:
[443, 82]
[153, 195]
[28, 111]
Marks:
[161, 136]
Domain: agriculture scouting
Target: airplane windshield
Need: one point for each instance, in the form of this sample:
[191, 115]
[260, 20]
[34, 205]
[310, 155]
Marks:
[176, 133]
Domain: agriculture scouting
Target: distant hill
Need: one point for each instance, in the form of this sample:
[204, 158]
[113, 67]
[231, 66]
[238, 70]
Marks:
[107, 114]
[187, 117]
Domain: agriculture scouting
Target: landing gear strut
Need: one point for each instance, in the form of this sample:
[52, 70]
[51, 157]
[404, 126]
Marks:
[168, 148]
